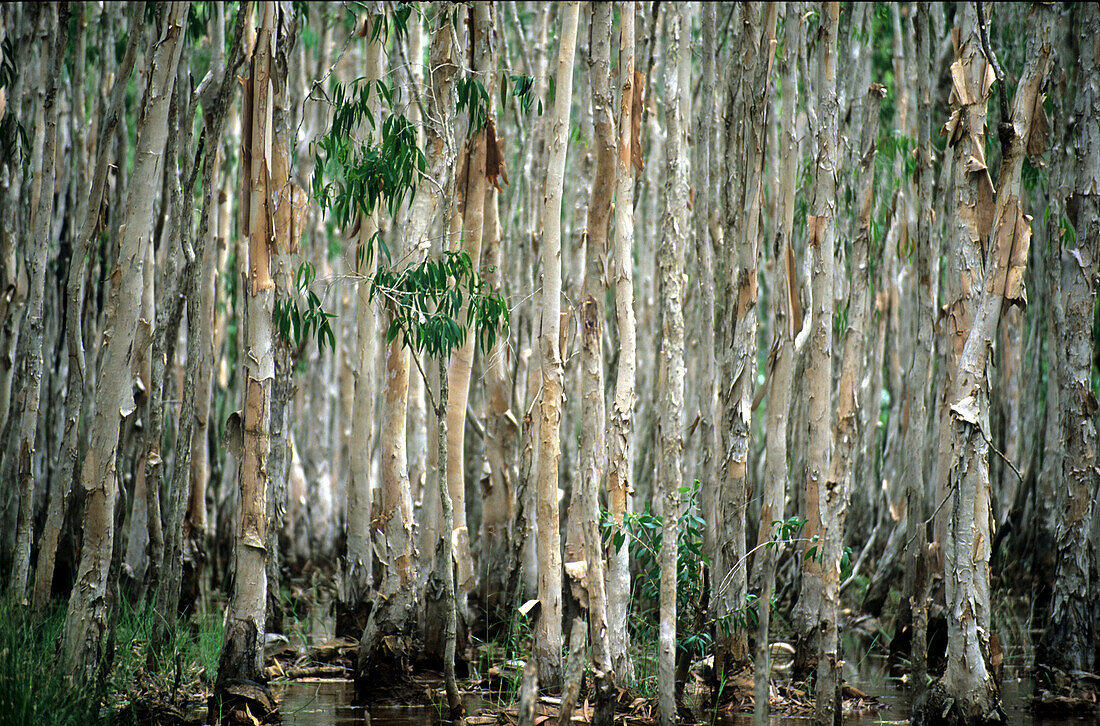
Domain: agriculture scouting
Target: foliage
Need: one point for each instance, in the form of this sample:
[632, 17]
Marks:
[473, 98]
[426, 306]
[644, 532]
[295, 324]
[13, 135]
[522, 87]
[351, 178]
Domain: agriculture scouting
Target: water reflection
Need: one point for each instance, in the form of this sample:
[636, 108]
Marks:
[329, 703]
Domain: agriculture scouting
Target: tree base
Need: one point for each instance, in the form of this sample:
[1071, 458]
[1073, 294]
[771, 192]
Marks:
[351, 619]
[244, 702]
[943, 708]
[388, 648]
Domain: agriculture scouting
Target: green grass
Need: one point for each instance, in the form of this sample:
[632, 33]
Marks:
[33, 688]
[190, 655]
[35, 691]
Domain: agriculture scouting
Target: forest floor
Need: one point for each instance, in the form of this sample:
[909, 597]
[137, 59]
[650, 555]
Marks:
[310, 674]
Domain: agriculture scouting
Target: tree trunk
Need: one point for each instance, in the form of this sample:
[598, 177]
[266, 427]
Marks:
[472, 198]
[74, 314]
[968, 692]
[821, 232]
[846, 432]
[670, 435]
[242, 654]
[216, 89]
[1070, 640]
[787, 322]
[55, 36]
[547, 647]
[915, 586]
[621, 425]
[86, 621]
[388, 645]
[498, 538]
[592, 447]
[353, 610]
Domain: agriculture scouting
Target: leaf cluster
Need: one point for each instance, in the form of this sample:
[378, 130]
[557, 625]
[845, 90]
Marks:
[426, 304]
[297, 325]
[351, 179]
[644, 532]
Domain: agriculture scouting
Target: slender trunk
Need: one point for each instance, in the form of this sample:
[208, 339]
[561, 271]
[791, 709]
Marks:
[621, 424]
[670, 436]
[915, 586]
[547, 648]
[787, 322]
[358, 577]
[55, 37]
[461, 363]
[86, 623]
[821, 232]
[592, 447]
[1070, 640]
[704, 155]
[242, 653]
[501, 439]
[450, 627]
[439, 148]
[743, 220]
[388, 641]
[846, 431]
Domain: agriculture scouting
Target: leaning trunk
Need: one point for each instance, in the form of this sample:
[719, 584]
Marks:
[968, 692]
[86, 622]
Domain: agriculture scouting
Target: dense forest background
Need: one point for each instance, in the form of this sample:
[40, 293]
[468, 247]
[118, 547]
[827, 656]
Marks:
[442, 322]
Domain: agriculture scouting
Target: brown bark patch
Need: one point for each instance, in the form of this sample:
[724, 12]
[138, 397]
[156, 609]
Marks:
[636, 101]
[494, 158]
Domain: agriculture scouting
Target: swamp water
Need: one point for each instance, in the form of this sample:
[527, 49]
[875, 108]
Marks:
[329, 703]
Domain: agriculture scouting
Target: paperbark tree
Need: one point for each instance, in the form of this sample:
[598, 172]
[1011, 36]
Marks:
[670, 434]
[787, 327]
[821, 234]
[547, 647]
[86, 622]
[996, 226]
[915, 587]
[55, 35]
[439, 148]
[838, 486]
[214, 90]
[390, 641]
[461, 363]
[592, 448]
[621, 424]
[358, 578]
[1069, 642]
[745, 142]
[242, 653]
[74, 331]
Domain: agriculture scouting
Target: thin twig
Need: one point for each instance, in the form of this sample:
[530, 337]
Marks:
[1002, 93]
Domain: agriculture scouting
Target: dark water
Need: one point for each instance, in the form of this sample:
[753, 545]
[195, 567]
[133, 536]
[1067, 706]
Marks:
[328, 703]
